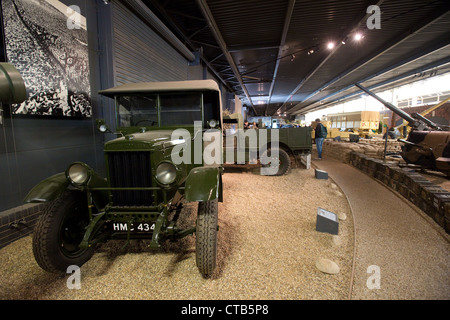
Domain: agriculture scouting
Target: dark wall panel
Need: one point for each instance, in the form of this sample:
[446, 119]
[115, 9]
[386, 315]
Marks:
[122, 48]
[33, 148]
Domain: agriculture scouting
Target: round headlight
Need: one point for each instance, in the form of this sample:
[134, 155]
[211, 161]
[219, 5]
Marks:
[78, 173]
[212, 123]
[103, 128]
[166, 173]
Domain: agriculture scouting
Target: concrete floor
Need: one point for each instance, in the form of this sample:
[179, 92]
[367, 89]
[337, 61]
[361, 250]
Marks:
[400, 253]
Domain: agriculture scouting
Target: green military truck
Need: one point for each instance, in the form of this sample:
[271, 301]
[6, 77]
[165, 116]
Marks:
[274, 149]
[155, 165]
[142, 184]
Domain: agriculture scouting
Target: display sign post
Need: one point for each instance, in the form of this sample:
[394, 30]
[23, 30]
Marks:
[327, 221]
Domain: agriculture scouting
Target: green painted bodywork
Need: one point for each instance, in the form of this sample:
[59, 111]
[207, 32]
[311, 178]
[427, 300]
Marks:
[48, 189]
[293, 140]
[203, 184]
[136, 140]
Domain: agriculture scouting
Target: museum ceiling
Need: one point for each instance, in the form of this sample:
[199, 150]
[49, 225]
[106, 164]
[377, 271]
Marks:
[296, 56]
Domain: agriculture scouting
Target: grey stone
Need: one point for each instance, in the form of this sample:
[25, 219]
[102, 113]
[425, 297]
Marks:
[342, 216]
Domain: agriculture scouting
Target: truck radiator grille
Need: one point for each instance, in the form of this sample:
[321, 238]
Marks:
[130, 169]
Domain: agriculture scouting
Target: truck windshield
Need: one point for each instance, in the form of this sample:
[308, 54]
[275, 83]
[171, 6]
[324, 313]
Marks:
[181, 109]
[174, 109]
[137, 110]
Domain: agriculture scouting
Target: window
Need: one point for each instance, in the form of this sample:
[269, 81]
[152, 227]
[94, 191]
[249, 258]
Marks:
[180, 109]
[174, 109]
[137, 110]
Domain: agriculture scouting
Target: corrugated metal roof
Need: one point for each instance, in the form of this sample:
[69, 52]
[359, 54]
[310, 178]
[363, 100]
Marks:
[414, 45]
[249, 22]
[275, 65]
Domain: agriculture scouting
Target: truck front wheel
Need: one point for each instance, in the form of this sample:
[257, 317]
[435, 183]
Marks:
[206, 237]
[59, 232]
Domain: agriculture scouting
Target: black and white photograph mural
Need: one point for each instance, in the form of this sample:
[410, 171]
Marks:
[46, 40]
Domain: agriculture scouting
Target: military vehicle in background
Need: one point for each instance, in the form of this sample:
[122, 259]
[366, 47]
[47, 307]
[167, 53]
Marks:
[290, 143]
[427, 144]
[404, 128]
[345, 125]
[362, 123]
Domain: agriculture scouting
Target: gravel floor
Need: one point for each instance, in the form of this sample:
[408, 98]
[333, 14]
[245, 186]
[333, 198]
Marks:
[267, 249]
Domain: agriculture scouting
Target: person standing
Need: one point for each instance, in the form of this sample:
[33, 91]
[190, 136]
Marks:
[320, 135]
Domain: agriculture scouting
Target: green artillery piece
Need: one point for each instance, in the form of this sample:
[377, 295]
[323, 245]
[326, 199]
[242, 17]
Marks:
[427, 145]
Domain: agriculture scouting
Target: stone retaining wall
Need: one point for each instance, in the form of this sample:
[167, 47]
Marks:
[432, 199]
[374, 148]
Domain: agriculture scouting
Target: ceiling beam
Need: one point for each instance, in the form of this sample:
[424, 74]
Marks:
[245, 48]
[218, 36]
[433, 65]
[188, 41]
[179, 13]
[214, 59]
[354, 27]
[413, 30]
[287, 22]
[197, 32]
[206, 44]
[416, 56]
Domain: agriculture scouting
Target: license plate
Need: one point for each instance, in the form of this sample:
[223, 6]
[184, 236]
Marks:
[134, 227]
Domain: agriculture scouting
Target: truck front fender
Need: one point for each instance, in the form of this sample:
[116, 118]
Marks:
[48, 189]
[204, 184]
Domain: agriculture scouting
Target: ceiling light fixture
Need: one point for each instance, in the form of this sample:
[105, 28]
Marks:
[330, 45]
[358, 36]
[292, 57]
[313, 50]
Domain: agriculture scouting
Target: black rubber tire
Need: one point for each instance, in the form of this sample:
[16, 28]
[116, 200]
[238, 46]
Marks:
[284, 164]
[59, 231]
[206, 237]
